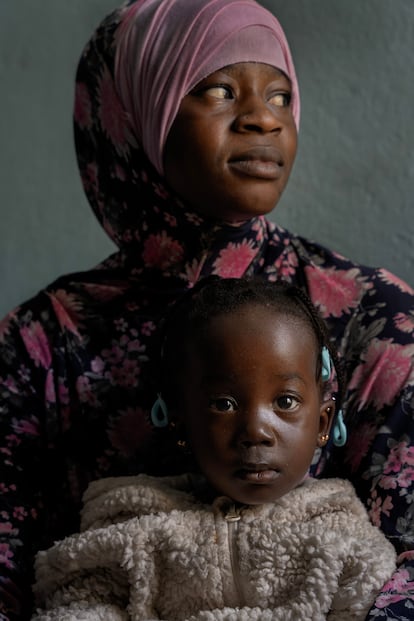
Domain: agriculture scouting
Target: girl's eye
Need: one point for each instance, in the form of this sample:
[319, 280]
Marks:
[286, 403]
[281, 100]
[223, 404]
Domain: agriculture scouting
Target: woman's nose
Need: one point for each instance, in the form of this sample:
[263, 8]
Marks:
[256, 429]
[256, 115]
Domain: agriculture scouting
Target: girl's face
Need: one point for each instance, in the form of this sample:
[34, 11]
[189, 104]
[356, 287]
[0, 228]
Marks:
[251, 403]
[231, 147]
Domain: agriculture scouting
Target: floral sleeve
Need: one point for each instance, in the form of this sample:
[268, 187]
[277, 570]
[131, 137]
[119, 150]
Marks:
[24, 357]
[378, 351]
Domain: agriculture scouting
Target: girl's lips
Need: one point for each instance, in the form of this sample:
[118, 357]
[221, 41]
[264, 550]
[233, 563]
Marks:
[260, 477]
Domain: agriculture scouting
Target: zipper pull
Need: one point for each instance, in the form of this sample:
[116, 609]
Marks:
[232, 515]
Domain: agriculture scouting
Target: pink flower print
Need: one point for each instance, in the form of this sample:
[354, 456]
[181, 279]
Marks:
[6, 528]
[406, 477]
[104, 293]
[147, 328]
[12, 440]
[50, 393]
[120, 324]
[335, 292]
[113, 355]
[19, 513]
[400, 454]
[404, 323]
[135, 345]
[85, 391]
[395, 589]
[259, 225]
[286, 265]
[37, 344]
[388, 482]
[82, 109]
[6, 555]
[379, 506]
[126, 375]
[112, 114]
[130, 431]
[234, 260]
[385, 369]
[67, 309]
[28, 426]
[391, 279]
[161, 251]
[193, 271]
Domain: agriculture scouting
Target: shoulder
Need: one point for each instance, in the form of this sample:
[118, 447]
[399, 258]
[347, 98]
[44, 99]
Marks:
[118, 499]
[321, 497]
[332, 279]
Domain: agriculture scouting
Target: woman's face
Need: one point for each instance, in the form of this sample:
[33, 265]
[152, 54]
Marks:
[251, 403]
[231, 148]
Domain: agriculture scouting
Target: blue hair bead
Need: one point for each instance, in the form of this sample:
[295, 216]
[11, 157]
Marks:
[159, 413]
[326, 364]
[340, 433]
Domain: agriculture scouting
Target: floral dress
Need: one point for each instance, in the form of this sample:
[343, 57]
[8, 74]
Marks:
[75, 361]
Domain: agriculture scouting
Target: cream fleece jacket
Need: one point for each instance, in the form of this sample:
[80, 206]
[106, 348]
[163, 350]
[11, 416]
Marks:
[149, 549]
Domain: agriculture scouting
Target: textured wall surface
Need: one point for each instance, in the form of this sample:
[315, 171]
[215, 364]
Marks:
[353, 181]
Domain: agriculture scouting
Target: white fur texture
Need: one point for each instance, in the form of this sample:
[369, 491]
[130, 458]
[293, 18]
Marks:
[150, 550]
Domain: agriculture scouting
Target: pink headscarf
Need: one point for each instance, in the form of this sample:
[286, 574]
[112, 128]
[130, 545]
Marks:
[165, 47]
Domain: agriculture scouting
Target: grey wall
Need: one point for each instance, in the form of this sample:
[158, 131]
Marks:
[353, 182]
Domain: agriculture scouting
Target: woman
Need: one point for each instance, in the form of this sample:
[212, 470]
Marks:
[75, 382]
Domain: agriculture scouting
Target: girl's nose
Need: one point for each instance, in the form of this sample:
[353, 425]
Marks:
[256, 429]
[256, 115]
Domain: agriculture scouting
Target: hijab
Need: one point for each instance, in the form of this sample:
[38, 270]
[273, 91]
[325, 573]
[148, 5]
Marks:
[165, 47]
[127, 96]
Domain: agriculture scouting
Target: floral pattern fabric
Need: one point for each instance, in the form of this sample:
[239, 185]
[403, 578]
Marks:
[76, 381]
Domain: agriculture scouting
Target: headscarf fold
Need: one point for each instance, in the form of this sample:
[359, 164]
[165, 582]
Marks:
[165, 47]
[115, 135]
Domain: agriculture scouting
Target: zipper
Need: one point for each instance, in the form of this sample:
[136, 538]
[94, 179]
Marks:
[232, 518]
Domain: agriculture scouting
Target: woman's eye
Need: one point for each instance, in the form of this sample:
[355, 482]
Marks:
[286, 403]
[219, 92]
[223, 404]
[281, 100]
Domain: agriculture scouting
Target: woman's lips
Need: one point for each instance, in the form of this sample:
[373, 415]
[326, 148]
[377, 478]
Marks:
[259, 162]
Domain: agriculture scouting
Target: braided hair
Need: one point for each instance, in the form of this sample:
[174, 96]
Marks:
[190, 316]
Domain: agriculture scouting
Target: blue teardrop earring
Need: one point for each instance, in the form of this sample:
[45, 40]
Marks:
[159, 412]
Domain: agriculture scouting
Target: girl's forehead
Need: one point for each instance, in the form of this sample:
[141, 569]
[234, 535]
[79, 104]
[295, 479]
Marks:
[251, 320]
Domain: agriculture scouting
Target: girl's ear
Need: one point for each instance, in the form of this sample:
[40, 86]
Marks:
[326, 416]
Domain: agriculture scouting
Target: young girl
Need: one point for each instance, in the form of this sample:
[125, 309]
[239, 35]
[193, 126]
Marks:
[186, 119]
[245, 379]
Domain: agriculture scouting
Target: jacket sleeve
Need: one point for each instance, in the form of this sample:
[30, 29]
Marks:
[23, 378]
[109, 569]
[82, 612]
